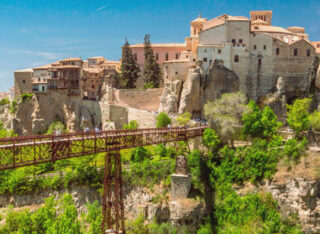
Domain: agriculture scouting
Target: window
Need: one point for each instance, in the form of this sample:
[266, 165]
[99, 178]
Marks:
[194, 60]
[157, 56]
[236, 58]
[194, 31]
[136, 57]
[318, 45]
[264, 47]
[240, 41]
[167, 56]
[256, 27]
[205, 50]
[277, 51]
[295, 52]
[177, 56]
[176, 73]
[255, 47]
[219, 51]
[92, 86]
[308, 53]
[39, 79]
[233, 41]
[205, 59]
[24, 81]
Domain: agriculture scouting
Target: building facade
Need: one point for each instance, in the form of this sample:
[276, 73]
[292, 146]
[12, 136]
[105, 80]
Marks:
[22, 82]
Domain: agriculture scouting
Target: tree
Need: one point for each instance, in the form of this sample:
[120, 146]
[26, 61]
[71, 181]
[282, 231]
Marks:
[184, 119]
[129, 67]
[163, 120]
[262, 124]
[225, 113]
[133, 124]
[315, 120]
[298, 115]
[152, 71]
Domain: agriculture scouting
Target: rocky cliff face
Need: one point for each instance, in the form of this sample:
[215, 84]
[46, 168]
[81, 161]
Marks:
[138, 200]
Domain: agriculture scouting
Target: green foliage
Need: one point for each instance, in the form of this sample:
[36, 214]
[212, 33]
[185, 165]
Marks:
[13, 107]
[4, 101]
[94, 218]
[56, 126]
[152, 71]
[315, 120]
[248, 163]
[298, 115]
[183, 119]
[164, 151]
[163, 120]
[263, 124]
[252, 213]
[210, 138]
[25, 97]
[294, 149]
[139, 154]
[195, 167]
[129, 67]
[133, 124]
[54, 217]
[4, 132]
[225, 113]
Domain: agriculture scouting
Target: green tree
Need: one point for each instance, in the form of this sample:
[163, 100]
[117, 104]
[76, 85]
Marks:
[184, 119]
[298, 115]
[4, 101]
[152, 71]
[129, 67]
[225, 113]
[133, 124]
[262, 124]
[315, 120]
[163, 120]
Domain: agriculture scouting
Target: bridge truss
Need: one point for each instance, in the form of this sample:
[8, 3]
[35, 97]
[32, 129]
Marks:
[32, 150]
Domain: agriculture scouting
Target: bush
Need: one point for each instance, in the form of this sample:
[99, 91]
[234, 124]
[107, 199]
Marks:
[133, 124]
[13, 107]
[163, 120]
[294, 149]
[315, 120]
[26, 97]
[184, 119]
[298, 115]
[139, 154]
[56, 126]
[4, 101]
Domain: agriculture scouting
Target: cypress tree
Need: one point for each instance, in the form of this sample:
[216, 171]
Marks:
[152, 71]
[129, 67]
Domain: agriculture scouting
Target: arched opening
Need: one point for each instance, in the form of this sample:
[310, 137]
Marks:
[236, 58]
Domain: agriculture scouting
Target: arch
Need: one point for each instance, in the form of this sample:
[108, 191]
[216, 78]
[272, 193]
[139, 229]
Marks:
[236, 58]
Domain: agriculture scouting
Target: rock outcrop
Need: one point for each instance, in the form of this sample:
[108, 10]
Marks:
[170, 97]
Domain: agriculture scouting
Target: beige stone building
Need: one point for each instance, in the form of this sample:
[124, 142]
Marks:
[22, 82]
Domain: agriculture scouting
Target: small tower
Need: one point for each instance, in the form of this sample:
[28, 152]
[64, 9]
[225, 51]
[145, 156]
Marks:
[196, 25]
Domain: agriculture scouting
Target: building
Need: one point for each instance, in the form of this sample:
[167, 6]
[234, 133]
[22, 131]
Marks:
[40, 78]
[316, 45]
[66, 75]
[22, 82]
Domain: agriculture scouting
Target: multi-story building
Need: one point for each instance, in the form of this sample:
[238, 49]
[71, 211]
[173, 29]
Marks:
[22, 82]
[96, 72]
[66, 75]
[40, 78]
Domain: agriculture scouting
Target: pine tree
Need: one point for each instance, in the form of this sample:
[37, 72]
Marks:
[152, 71]
[129, 67]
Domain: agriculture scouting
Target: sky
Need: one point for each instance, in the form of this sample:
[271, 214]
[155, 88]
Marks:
[37, 32]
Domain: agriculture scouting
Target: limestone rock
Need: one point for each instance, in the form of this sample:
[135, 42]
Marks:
[190, 96]
[170, 97]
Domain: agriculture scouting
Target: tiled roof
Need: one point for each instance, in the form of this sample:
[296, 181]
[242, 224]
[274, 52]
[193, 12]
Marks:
[71, 59]
[43, 67]
[160, 45]
[268, 28]
[221, 20]
[25, 70]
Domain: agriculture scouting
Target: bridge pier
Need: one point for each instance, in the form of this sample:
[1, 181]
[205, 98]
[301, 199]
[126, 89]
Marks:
[112, 200]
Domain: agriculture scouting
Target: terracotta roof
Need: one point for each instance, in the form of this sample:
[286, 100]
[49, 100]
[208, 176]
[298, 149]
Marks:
[25, 70]
[259, 22]
[268, 28]
[97, 57]
[160, 45]
[221, 20]
[43, 67]
[66, 67]
[71, 59]
[261, 12]
[199, 20]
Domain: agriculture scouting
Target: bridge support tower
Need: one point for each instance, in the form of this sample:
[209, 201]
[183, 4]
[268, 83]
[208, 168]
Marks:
[112, 200]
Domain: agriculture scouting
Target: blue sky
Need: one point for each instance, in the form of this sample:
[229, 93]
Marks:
[36, 32]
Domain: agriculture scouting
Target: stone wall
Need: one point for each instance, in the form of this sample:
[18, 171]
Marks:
[145, 119]
[145, 99]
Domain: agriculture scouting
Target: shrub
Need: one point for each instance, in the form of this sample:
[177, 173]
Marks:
[315, 120]
[184, 119]
[26, 97]
[294, 149]
[56, 126]
[298, 115]
[139, 154]
[163, 120]
[4, 101]
[133, 124]
[13, 107]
